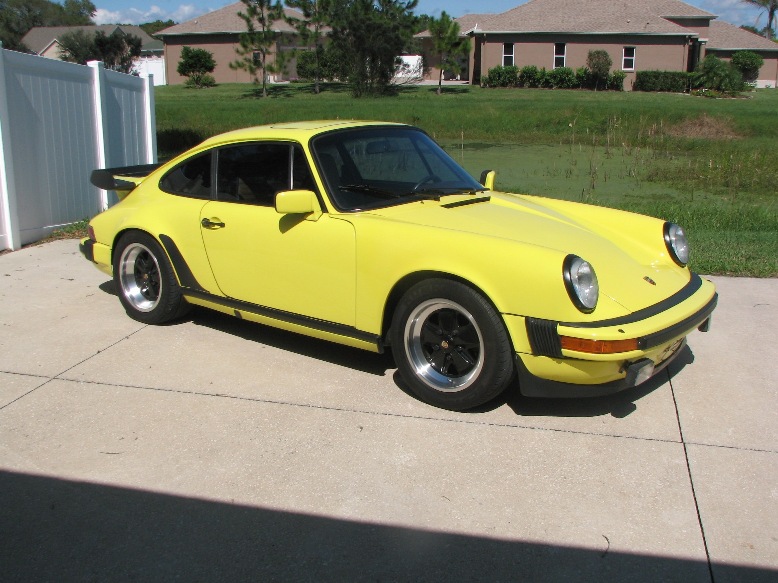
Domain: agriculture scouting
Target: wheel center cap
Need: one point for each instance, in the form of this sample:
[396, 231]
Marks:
[444, 345]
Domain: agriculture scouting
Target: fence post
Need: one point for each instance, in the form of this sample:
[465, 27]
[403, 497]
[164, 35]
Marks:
[150, 120]
[100, 122]
[10, 229]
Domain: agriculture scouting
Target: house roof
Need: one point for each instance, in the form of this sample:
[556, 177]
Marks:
[466, 24]
[725, 36]
[224, 20]
[594, 17]
[40, 38]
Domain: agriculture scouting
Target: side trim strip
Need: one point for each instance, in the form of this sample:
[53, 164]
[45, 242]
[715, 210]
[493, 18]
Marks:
[681, 295]
[288, 317]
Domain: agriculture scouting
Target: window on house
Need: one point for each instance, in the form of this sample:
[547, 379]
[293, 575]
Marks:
[628, 62]
[560, 51]
[507, 55]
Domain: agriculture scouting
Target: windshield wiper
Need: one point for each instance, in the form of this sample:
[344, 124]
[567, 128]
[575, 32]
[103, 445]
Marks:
[367, 189]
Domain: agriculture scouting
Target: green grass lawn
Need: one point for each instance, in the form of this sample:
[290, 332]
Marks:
[710, 164]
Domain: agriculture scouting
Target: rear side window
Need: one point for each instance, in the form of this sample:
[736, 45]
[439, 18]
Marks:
[190, 178]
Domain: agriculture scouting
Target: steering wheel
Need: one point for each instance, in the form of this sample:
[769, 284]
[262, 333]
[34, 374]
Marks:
[428, 178]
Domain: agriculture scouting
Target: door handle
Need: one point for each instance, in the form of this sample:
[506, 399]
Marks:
[209, 224]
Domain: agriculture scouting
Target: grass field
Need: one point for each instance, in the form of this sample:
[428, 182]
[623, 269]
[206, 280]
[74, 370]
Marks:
[710, 164]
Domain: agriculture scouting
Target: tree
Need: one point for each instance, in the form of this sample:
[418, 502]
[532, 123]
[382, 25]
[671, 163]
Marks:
[256, 44]
[17, 17]
[152, 28]
[771, 7]
[118, 50]
[367, 38]
[196, 65]
[599, 63]
[447, 45]
[713, 73]
[311, 31]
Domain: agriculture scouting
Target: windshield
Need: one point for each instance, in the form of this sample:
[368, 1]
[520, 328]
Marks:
[383, 166]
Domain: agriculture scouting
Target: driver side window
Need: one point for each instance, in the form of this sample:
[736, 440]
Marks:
[253, 173]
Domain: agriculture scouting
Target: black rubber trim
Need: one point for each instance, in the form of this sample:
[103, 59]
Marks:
[532, 386]
[543, 337]
[657, 338]
[185, 276]
[288, 317]
[680, 296]
[451, 205]
[87, 249]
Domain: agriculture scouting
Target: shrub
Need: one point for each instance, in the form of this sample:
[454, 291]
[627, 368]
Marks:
[530, 76]
[616, 80]
[501, 77]
[562, 78]
[599, 63]
[748, 63]
[713, 73]
[583, 77]
[306, 65]
[199, 81]
[671, 81]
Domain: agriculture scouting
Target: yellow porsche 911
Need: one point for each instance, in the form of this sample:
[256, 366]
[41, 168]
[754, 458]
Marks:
[370, 235]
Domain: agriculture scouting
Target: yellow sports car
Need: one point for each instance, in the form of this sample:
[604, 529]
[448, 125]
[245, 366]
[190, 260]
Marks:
[370, 235]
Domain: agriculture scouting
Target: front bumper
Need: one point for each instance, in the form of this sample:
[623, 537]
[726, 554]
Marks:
[656, 335]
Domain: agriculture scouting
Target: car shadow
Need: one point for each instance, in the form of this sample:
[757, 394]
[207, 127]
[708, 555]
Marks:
[619, 405]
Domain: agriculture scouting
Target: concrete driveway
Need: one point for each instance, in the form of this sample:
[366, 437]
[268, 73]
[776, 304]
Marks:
[214, 449]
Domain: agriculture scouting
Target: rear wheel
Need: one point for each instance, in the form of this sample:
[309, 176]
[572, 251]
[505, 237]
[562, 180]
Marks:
[144, 278]
[451, 345]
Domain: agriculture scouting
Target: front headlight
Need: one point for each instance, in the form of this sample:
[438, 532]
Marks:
[677, 245]
[581, 283]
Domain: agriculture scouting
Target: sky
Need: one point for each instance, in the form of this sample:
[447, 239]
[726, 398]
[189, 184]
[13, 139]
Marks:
[140, 11]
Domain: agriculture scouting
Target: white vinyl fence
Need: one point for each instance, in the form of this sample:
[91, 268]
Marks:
[58, 122]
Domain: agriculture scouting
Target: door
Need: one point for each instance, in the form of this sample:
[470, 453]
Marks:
[294, 263]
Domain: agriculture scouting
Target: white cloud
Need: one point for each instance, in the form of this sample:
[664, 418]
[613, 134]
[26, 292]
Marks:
[182, 13]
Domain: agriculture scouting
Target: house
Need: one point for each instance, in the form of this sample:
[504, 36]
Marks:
[638, 35]
[218, 32]
[44, 41]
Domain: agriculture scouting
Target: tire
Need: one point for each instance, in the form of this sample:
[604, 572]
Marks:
[145, 281]
[450, 345]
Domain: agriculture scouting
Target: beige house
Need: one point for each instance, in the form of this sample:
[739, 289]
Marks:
[218, 32]
[44, 41]
[638, 35]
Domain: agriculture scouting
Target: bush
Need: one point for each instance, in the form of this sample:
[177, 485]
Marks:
[713, 73]
[199, 81]
[748, 63]
[616, 80]
[501, 77]
[583, 77]
[599, 63]
[530, 76]
[671, 81]
[562, 78]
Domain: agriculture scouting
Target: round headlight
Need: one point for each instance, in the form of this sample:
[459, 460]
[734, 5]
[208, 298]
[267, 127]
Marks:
[581, 283]
[677, 245]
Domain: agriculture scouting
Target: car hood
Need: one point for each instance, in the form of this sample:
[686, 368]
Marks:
[633, 272]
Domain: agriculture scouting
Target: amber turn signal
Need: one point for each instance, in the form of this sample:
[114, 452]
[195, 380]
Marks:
[598, 346]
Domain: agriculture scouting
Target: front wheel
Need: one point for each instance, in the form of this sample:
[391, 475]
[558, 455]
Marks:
[144, 278]
[451, 345]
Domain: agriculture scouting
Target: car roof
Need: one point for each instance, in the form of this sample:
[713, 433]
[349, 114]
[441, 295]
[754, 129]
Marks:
[298, 130]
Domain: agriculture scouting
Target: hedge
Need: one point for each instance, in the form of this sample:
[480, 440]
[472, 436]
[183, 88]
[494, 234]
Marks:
[671, 81]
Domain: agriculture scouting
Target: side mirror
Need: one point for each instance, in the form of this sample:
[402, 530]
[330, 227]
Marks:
[297, 202]
[487, 179]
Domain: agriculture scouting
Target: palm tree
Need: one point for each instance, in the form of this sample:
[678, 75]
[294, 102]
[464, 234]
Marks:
[771, 6]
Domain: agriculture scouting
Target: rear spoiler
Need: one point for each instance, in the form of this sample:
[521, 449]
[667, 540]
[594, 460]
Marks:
[114, 178]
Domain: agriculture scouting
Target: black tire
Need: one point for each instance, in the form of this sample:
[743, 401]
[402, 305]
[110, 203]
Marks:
[450, 345]
[145, 280]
